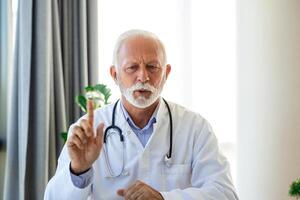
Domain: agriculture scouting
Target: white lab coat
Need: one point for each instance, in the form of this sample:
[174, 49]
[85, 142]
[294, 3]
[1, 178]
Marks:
[197, 169]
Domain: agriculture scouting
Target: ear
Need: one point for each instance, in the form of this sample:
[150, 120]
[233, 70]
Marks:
[168, 70]
[113, 73]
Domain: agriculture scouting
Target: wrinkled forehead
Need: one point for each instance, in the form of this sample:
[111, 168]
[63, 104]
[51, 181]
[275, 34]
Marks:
[140, 49]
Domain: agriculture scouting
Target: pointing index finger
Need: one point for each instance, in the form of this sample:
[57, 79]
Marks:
[90, 110]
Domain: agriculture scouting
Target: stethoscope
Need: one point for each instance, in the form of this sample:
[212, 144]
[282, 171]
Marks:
[119, 131]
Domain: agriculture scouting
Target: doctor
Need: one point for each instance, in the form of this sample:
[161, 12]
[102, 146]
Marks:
[155, 149]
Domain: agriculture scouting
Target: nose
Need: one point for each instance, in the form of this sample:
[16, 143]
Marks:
[143, 75]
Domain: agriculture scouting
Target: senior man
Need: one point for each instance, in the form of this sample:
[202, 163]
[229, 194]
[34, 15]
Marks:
[142, 146]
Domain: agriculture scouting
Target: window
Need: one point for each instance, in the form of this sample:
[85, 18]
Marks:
[200, 40]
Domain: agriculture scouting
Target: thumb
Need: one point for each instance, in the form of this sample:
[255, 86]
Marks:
[121, 192]
[99, 136]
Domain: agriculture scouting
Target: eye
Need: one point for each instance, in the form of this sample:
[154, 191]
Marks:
[131, 68]
[153, 67]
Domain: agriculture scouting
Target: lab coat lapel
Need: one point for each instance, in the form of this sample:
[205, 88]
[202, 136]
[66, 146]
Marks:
[161, 131]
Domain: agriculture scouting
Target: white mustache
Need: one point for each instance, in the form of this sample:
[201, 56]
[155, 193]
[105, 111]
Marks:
[142, 86]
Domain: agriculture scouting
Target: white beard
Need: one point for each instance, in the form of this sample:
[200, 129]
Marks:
[142, 101]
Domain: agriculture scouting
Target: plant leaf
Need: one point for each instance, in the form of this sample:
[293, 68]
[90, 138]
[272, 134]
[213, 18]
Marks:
[295, 189]
[89, 88]
[64, 135]
[104, 90]
[81, 101]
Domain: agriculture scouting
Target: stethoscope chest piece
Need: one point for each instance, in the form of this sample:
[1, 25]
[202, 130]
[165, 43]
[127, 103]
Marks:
[167, 161]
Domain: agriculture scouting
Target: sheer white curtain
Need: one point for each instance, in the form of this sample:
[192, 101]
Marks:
[200, 39]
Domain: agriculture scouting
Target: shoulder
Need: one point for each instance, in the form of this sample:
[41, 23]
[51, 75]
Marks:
[184, 117]
[182, 112]
[190, 126]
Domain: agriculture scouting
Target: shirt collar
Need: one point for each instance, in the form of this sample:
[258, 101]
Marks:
[151, 121]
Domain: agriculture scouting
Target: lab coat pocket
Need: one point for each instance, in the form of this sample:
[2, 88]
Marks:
[176, 176]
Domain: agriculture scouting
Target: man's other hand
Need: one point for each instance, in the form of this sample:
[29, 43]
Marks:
[138, 191]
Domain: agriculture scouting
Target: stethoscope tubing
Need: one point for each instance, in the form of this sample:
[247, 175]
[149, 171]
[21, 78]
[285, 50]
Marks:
[119, 131]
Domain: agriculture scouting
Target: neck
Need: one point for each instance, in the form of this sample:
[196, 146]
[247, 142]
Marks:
[140, 116]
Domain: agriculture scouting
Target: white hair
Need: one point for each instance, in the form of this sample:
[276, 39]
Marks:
[137, 33]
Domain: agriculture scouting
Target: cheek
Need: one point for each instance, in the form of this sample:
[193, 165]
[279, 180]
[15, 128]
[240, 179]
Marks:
[157, 81]
[125, 81]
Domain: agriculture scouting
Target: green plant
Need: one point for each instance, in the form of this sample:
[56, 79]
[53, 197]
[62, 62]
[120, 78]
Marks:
[295, 189]
[99, 93]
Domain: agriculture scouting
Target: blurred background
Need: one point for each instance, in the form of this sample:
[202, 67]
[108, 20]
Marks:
[236, 62]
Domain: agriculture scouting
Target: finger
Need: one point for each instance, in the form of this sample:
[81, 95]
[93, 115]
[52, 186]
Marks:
[88, 129]
[80, 133]
[90, 110]
[99, 136]
[141, 197]
[121, 192]
[75, 141]
[132, 189]
[136, 193]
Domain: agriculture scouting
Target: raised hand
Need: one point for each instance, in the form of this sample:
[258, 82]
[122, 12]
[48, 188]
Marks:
[83, 145]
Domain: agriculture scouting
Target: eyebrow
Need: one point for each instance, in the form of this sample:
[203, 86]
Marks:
[126, 62]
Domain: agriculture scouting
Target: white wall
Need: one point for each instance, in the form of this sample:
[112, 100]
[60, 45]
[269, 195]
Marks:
[268, 98]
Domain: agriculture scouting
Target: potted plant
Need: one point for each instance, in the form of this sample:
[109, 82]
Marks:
[295, 189]
[99, 93]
